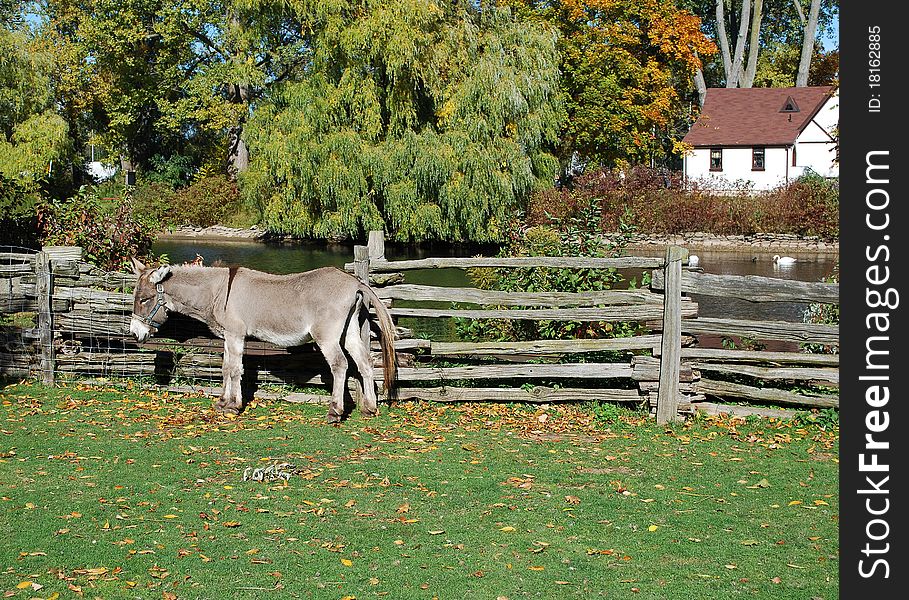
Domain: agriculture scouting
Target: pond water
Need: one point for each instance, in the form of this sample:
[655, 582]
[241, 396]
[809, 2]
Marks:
[296, 257]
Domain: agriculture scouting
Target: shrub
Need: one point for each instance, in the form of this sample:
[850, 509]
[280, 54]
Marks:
[576, 235]
[154, 201]
[107, 229]
[656, 201]
[18, 226]
[211, 200]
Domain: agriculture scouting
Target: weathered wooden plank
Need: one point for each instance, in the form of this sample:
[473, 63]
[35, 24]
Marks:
[61, 253]
[17, 257]
[376, 245]
[557, 262]
[498, 298]
[361, 263]
[760, 356]
[16, 305]
[765, 330]
[543, 347]
[16, 269]
[830, 376]
[519, 371]
[754, 287]
[100, 300]
[45, 282]
[648, 368]
[711, 408]
[534, 395]
[668, 394]
[94, 324]
[134, 364]
[756, 394]
[617, 313]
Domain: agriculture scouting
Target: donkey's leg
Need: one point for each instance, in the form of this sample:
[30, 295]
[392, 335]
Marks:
[337, 362]
[359, 351]
[232, 372]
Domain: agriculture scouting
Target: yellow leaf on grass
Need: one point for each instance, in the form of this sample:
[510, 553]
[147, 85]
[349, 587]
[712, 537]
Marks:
[536, 568]
[170, 516]
[507, 528]
[346, 562]
[23, 584]
[652, 528]
[821, 503]
[795, 503]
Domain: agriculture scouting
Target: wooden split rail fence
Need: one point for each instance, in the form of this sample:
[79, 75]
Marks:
[79, 327]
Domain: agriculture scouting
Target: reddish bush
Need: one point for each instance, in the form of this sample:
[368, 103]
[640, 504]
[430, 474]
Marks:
[656, 201]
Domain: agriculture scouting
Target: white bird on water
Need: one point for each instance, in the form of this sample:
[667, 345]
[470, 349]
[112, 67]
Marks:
[693, 260]
[783, 260]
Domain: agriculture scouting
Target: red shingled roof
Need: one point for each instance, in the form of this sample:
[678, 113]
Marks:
[752, 116]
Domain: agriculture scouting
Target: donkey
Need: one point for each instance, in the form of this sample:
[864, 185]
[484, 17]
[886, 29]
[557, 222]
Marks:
[326, 305]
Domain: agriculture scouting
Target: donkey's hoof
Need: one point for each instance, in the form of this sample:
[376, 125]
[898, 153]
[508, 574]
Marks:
[332, 419]
[369, 414]
[228, 409]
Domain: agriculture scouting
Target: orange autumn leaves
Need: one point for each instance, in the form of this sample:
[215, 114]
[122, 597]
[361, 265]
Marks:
[626, 65]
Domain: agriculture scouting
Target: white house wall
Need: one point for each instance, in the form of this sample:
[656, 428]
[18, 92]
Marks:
[814, 147]
[737, 167]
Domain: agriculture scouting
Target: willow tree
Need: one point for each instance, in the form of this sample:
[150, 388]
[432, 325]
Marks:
[32, 135]
[430, 119]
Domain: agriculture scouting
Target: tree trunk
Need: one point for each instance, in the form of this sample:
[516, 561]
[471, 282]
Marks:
[721, 38]
[700, 84]
[801, 79]
[754, 44]
[733, 75]
[237, 152]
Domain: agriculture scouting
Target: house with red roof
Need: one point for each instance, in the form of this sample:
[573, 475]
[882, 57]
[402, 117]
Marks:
[763, 136]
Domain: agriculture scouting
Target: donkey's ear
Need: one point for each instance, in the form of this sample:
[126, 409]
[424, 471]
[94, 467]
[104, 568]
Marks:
[138, 265]
[159, 274]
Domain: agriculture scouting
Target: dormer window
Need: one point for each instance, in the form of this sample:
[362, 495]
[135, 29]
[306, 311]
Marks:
[790, 106]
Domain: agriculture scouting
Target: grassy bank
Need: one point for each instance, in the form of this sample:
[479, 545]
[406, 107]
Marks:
[117, 493]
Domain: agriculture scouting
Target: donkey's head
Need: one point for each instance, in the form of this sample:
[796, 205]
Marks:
[149, 310]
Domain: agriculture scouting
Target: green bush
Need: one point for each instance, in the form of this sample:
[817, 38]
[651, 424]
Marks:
[576, 235]
[18, 225]
[211, 200]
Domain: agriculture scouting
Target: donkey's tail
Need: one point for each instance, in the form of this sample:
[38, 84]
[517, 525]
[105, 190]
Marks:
[387, 327]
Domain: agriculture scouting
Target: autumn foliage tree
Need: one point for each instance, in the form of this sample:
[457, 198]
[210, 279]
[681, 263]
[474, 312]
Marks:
[626, 65]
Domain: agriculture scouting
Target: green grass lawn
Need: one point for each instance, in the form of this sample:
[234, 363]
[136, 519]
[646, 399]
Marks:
[117, 493]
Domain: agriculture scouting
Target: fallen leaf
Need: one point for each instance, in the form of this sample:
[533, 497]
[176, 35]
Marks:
[507, 528]
[346, 562]
[653, 528]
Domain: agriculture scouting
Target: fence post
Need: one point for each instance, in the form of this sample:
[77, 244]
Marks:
[45, 291]
[671, 348]
[361, 263]
[376, 245]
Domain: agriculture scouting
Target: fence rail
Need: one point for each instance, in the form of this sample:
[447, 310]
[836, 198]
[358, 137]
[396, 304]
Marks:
[62, 316]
